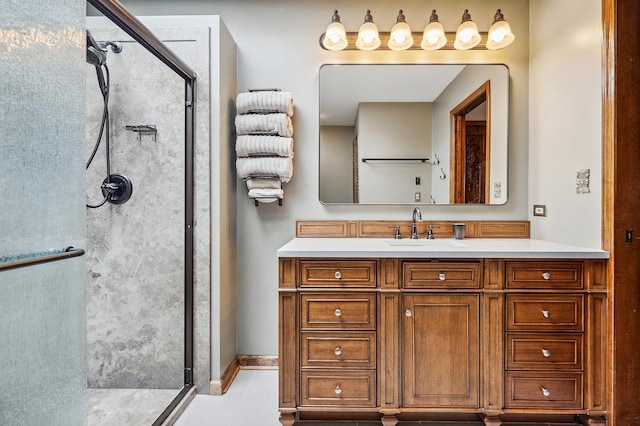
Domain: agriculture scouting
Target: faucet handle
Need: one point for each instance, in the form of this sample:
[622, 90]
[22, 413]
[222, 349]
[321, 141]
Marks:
[398, 235]
[430, 235]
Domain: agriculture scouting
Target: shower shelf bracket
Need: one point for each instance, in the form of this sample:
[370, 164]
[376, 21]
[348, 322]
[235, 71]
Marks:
[145, 129]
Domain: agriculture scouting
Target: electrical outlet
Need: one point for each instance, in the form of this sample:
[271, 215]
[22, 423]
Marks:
[539, 210]
[417, 196]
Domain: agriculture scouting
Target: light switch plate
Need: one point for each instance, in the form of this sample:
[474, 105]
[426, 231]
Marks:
[539, 210]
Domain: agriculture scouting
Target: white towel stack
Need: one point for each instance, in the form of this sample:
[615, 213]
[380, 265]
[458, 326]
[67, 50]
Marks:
[264, 143]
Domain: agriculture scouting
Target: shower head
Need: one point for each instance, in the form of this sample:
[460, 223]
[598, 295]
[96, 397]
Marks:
[95, 55]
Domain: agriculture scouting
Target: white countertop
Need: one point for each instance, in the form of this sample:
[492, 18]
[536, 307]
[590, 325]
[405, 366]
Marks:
[516, 248]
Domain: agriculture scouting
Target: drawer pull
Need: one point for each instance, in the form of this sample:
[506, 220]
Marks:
[338, 351]
[408, 313]
[337, 312]
[338, 275]
[546, 353]
[442, 277]
[545, 314]
[546, 276]
[338, 390]
[545, 391]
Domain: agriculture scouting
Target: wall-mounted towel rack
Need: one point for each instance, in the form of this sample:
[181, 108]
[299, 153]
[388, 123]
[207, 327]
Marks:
[20, 261]
[397, 160]
[144, 129]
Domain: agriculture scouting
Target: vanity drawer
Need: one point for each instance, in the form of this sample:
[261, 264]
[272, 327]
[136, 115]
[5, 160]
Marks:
[338, 387]
[455, 275]
[339, 311]
[358, 273]
[543, 390]
[527, 312]
[544, 275]
[544, 351]
[338, 349]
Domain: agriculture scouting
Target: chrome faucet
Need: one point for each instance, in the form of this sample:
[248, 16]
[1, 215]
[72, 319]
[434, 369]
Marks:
[415, 217]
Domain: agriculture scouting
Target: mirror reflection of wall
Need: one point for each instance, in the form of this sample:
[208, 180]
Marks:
[412, 118]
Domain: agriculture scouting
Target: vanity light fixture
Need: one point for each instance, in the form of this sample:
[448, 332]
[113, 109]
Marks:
[368, 38]
[467, 35]
[500, 34]
[433, 37]
[400, 37]
[335, 37]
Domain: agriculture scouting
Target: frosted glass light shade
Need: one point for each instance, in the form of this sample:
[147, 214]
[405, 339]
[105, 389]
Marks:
[467, 35]
[400, 37]
[500, 34]
[368, 38]
[335, 37]
[433, 37]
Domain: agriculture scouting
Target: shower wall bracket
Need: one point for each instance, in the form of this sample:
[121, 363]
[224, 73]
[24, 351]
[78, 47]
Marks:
[144, 129]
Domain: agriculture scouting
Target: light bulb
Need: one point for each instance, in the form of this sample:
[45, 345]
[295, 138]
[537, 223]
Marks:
[467, 36]
[433, 37]
[500, 34]
[400, 38]
[368, 38]
[335, 37]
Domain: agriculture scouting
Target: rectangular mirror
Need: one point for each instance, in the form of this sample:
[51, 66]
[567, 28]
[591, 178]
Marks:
[414, 134]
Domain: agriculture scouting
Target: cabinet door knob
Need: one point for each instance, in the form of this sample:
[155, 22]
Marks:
[442, 276]
[546, 353]
[545, 391]
[338, 275]
[338, 390]
[337, 312]
[546, 276]
[408, 312]
[545, 314]
[338, 351]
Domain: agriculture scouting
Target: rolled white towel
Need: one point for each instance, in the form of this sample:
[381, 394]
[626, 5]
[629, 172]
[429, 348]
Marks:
[265, 166]
[279, 124]
[265, 101]
[266, 195]
[247, 145]
[263, 184]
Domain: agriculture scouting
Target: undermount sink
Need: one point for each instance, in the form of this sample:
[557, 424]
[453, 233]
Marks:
[426, 243]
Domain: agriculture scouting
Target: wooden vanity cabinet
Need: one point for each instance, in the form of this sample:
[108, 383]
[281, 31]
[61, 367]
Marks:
[422, 339]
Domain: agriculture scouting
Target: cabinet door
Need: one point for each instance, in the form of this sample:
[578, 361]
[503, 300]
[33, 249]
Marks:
[440, 345]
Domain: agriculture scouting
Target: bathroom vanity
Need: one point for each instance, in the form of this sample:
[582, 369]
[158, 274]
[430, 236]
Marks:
[476, 329]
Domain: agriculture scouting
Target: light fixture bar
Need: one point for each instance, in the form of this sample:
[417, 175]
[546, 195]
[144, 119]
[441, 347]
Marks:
[417, 37]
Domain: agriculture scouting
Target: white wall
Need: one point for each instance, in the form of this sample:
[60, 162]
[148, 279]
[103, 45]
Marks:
[278, 47]
[565, 119]
[336, 164]
[393, 130]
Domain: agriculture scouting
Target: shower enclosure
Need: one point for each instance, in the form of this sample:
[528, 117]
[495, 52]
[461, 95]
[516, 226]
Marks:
[140, 142]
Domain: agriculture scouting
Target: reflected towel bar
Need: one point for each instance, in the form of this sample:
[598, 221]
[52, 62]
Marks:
[68, 253]
[399, 160]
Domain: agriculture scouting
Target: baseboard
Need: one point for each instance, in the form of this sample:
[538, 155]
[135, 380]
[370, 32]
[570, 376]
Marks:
[245, 362]
[219, 387]
[258, 362]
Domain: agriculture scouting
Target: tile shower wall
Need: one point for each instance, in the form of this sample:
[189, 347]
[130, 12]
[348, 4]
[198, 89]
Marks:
[42, 119]
[135, 300]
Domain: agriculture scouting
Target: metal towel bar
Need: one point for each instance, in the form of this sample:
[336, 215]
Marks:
[68, 253]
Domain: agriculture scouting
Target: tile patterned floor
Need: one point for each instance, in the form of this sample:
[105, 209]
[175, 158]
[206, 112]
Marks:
[252, 400]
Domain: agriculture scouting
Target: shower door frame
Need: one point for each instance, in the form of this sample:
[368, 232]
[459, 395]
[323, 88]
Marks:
[132, 26]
